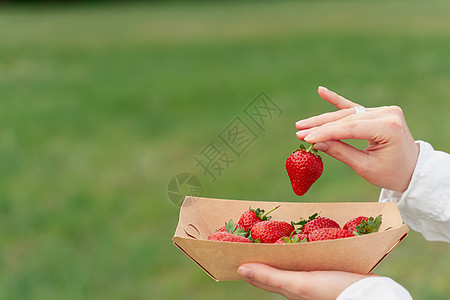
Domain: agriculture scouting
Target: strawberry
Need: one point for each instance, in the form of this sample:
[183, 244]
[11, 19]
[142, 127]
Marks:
[233, 228]
[317, 223]
[351, 224]
[253, 216]
[270, 231]
[294, 239]
[323, 234]
[222, 229]
[228, 237]
[304, 167]
[369, 226]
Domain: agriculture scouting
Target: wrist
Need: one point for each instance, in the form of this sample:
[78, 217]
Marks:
[412, 162]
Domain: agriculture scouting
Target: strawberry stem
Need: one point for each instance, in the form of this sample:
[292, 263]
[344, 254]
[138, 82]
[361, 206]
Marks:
[309, 149]
[270, 211]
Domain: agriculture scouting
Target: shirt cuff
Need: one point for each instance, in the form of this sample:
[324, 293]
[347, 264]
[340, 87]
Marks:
[424, 206]
[375, 288]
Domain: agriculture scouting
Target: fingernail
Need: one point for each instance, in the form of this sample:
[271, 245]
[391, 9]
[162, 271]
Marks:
[322, 87]
[310, 137]
[245, 272]
[300, 134]
[299, 123]
[321, 146]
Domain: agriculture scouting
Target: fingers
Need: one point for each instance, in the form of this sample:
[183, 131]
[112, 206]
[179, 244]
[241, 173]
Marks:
[375, 125]
[346, 124]
[357, 129]
[344, 116]
[337, 101]
[324, 118]
[328, 139]
[345, 109]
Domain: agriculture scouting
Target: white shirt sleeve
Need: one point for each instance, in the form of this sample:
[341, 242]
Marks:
[375, 288]
[425, 205]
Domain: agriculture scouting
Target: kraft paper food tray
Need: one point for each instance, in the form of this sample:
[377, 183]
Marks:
[200, 217]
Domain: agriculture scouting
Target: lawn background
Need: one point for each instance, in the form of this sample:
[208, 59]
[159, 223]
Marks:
[101, 105]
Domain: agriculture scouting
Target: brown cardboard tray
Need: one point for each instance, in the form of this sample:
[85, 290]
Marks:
[200, 217]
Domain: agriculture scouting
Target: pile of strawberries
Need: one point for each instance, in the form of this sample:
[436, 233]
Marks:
[256, 226]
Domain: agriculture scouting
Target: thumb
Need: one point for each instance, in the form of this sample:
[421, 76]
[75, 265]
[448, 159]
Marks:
[286, 283]
[343, 152]
[264, 274]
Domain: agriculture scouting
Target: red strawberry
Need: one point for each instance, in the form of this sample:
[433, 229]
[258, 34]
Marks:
[228, 237]
[351, 224]
[304, 167]
[253, 216]
[222, 229]
[317, 223]
[270, 231]
[323, 234]
[295, 239]
[368, 226]
[233, 228]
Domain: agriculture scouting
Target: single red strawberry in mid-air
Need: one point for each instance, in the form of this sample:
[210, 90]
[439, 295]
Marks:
[270, 231]
[317, 223]
[228, 237]
[323, 234]
[304, 167]
[253, 216]
[294, 239]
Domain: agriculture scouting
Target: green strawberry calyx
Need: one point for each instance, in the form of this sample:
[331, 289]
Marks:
[232, 228]
[309, 149]
[369, 226]
[293, 239]
[257, 241]
[303, 222]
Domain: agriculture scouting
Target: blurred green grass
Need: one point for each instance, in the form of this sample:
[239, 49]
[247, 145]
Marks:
[101, 105]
